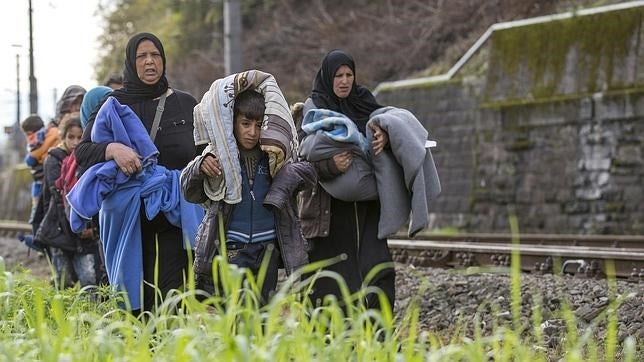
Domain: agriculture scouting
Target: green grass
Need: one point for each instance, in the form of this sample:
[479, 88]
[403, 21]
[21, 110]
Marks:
[38, 322]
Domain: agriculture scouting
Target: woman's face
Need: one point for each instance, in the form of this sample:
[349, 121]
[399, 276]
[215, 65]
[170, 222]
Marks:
[343, 81]
[149, 64]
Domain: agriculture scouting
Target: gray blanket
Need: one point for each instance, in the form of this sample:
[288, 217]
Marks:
[406, 176]
[357, 183]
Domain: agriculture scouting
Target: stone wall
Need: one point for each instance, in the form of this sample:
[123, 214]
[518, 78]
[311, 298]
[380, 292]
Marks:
[569, 166]
[567, 160]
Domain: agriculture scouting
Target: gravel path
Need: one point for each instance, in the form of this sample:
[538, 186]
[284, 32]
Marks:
[17, 255]
[453, 298]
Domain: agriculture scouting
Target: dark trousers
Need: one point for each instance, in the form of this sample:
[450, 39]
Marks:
[354, 233]
[248, 256]
[170, 263]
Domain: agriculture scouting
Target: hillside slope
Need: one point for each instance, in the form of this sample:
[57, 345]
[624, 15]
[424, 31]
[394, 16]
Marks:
[389, 39]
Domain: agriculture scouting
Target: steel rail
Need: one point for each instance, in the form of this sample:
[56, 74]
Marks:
[538, 252]
[9, 226]
[570, 251]
[624, 241]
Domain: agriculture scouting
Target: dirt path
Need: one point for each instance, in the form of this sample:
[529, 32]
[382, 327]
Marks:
[17, 255]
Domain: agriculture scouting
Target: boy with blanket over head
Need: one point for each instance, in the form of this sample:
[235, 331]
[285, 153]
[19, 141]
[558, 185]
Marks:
[236, 182]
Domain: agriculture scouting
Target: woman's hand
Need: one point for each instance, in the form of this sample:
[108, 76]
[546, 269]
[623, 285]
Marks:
[210, 165]
[126, 158]
[380, 138]
[343, 160]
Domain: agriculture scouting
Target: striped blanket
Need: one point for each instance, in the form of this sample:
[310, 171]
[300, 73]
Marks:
[213, 118]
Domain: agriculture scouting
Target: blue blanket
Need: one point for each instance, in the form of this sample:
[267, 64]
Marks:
[106, 188]
[336, 126]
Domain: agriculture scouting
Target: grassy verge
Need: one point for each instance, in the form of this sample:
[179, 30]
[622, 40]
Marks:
[38, 322]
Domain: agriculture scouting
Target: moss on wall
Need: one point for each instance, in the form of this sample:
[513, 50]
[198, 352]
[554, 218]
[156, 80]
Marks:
[21, 175]
[521, 102]
[585, 49]
[520, 144]
[532, 131]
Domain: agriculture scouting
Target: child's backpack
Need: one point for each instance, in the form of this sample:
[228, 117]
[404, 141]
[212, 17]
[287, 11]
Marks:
[65, 182]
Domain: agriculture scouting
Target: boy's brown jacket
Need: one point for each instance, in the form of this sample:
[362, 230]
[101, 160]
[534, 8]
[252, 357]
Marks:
[291, 179]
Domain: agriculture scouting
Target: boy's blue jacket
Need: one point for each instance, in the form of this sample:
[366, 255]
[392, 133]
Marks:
[281, 199]
[106, 188]
[260, 226]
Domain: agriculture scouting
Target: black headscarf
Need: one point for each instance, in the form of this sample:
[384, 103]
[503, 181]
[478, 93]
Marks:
[134, 90]
[360, 102]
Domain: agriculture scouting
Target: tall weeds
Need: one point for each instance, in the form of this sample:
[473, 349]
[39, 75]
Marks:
[39, 322]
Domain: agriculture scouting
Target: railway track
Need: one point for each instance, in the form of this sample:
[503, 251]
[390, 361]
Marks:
[13, 228]
[583, 255]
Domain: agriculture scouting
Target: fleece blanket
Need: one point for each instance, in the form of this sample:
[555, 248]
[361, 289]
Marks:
[405, 172]
[105, 188]
[329, 133]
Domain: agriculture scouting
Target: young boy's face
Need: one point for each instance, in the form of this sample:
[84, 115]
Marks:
[247, 131]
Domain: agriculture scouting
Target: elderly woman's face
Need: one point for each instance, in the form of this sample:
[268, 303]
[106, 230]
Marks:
[343, 81]
[149, 64]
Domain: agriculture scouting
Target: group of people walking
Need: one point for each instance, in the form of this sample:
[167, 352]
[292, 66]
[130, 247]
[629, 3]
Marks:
[235, 174]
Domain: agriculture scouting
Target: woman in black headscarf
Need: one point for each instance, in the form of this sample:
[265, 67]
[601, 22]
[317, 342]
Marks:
[335, 227]
[144, 82]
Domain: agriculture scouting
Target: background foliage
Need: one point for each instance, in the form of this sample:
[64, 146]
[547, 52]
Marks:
[389, 39]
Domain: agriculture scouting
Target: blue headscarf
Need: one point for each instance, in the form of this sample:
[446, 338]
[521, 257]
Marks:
[92, 102]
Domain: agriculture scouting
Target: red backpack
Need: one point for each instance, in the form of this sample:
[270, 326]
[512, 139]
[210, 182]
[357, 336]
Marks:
[68, 177]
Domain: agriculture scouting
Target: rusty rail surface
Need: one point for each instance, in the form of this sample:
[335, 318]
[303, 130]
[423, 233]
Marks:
[12, 228]
[584, 255]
